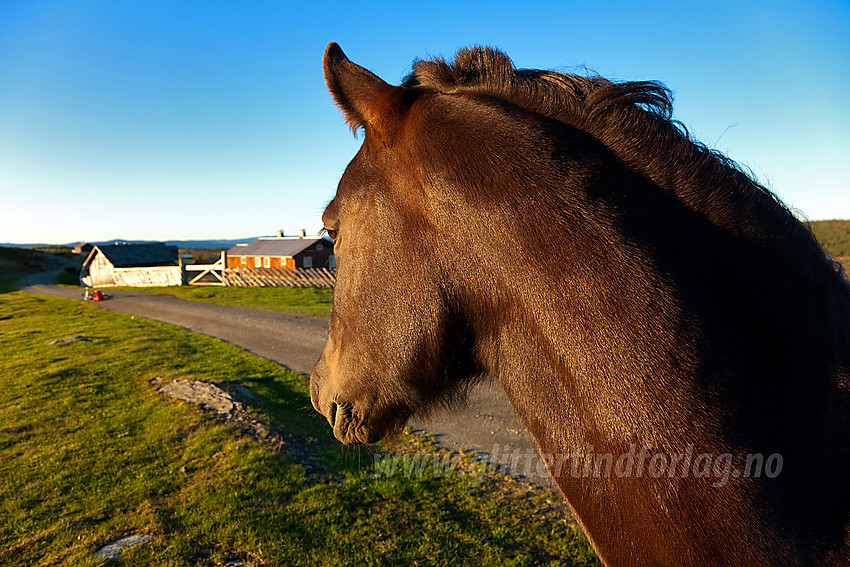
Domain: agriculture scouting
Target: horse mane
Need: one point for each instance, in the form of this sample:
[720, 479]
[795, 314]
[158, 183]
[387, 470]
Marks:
[634, 120]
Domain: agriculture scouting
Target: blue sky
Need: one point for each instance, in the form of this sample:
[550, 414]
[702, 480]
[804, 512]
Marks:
[179, 120]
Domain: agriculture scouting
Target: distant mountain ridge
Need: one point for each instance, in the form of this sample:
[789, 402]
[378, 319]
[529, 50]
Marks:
[220, 243]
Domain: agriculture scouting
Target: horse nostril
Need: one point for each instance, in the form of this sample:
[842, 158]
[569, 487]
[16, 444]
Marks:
[332, 414]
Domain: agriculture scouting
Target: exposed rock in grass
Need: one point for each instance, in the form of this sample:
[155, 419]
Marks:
[231, 408]
[70, 339]
[112, 552]
[208, 396]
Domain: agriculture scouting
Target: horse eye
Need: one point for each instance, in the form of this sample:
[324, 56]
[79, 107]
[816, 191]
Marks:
[331, 234]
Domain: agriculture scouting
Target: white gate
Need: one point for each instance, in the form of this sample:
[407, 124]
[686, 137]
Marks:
[216, 270]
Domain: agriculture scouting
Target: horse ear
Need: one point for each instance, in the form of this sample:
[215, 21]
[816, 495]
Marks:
[360, 94]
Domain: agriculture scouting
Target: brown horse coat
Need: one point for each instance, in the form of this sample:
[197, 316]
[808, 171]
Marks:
[632, 291]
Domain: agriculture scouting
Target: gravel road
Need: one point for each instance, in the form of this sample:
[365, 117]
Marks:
[488, 425]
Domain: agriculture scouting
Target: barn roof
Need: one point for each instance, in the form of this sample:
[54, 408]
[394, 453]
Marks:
[276, 246]
[129, 255]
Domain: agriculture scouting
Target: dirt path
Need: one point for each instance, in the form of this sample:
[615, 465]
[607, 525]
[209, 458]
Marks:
[488, 426]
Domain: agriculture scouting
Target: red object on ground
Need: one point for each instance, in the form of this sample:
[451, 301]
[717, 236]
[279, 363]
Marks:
[97, 295]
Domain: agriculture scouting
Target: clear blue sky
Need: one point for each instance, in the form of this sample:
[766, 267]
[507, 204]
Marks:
[178, 119]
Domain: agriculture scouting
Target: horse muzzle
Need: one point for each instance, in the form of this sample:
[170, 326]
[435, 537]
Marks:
[351, 424]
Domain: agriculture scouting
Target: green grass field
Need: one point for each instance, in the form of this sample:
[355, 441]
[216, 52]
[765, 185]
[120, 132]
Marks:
[90, 452]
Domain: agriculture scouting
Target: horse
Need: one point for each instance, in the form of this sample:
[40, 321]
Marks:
[635, 293]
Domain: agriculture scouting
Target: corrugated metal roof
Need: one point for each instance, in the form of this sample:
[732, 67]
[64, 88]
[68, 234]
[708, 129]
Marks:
[129, 255]
[277, 246]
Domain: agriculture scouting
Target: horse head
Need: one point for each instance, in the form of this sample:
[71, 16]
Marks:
[397, 345]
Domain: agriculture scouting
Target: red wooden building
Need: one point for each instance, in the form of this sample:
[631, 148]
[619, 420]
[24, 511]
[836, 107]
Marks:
[283, 252]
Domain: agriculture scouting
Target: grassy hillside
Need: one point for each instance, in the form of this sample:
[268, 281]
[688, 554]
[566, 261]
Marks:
[17, 262]
[90, 452]
[834, 236]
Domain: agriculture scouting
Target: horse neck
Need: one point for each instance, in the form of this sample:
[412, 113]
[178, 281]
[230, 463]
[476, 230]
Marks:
[562, 348]
[557, 317]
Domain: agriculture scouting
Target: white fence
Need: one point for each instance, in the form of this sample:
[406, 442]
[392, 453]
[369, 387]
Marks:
[256, 277]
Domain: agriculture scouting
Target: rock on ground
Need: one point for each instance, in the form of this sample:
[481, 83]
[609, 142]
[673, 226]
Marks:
[112, 552]
[70, 339]
[209, 396]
